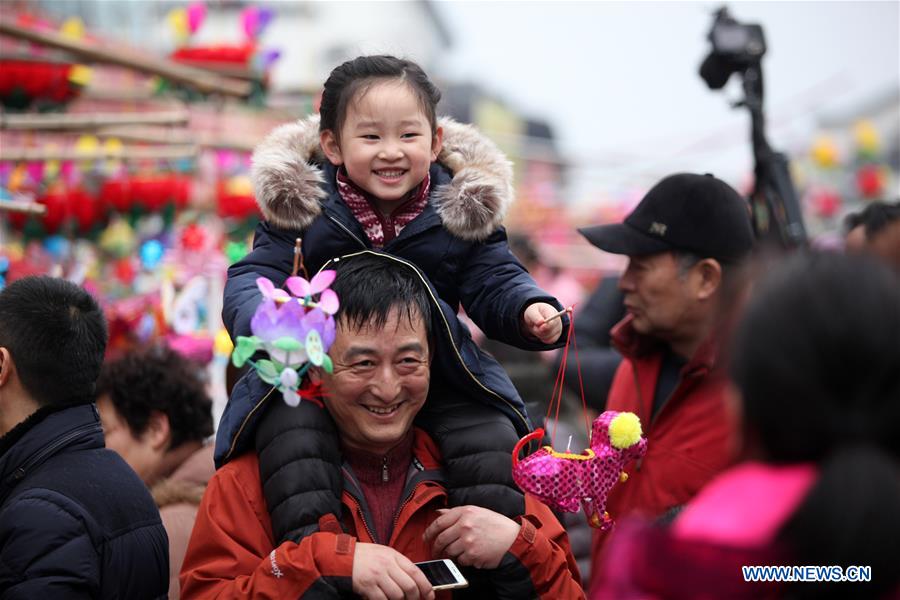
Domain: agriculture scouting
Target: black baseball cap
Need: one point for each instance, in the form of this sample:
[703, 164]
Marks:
[685, 211]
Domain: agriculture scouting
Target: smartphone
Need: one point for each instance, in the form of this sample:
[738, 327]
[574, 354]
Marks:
[442, 574]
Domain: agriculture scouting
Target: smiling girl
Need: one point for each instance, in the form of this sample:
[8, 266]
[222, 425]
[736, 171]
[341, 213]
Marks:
[380, 171]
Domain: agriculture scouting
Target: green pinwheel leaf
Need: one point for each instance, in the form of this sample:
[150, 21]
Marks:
[288, 344]
[327, 364]
[267, 371]
[246, 347]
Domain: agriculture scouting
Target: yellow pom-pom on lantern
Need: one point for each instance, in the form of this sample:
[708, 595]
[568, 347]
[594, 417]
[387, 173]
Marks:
[625, 430]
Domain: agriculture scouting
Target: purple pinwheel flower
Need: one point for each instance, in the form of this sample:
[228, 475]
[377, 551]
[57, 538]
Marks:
[302, 288]
[328, 300]
[274, 324]
[323, 324]
[269, 290]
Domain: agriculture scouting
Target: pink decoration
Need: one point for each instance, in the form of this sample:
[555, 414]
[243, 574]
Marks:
[193, 347]
[67, 171]
[255, 20]
[196, 13]
[250, 21]
[225, 160]
[746, 505]
[35, 171]
[269, 290]
[566, 481]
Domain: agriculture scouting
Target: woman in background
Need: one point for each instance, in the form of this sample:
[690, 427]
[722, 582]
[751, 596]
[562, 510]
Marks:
[816, 370]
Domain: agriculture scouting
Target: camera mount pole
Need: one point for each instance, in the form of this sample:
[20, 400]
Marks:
[776, 210]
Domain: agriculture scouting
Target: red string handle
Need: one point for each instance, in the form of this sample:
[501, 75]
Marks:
[537, 434]
[559, 387]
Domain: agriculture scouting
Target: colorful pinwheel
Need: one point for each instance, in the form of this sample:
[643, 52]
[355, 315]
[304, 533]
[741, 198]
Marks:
[295, 330]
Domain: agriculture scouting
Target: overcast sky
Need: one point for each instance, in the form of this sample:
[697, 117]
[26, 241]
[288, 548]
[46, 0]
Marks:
[619, 80]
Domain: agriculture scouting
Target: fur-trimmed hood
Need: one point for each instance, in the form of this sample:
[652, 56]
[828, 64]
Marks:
[288, 181]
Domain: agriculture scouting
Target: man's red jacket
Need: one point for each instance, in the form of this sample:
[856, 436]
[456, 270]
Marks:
[690, 439]
[232, 553]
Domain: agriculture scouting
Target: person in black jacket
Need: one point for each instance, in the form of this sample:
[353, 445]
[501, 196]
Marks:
[75, 520]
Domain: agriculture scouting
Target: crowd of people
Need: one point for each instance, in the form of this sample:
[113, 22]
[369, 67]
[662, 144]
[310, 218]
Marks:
[767, 385]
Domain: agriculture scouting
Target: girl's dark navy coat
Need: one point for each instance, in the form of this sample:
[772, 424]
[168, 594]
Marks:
[457, 242]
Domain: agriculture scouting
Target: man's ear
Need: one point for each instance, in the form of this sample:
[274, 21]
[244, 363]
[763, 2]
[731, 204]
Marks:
[437, 142]
[329, 143]
[158, 431]
[315, 375]
[709, 277]
[6, 366]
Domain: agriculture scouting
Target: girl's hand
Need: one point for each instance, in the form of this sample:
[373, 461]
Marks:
[534, 322]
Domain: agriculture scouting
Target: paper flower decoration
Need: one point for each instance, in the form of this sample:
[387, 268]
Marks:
[295, 329]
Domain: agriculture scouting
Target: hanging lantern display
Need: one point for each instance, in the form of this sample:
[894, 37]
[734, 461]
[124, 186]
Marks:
[46, 84]
[870, 181]
[235, 198]
[866, 138]
[58, 207]
[824, 202]
[193, 238]
[825, 153]
[151, 193]
[87, 210]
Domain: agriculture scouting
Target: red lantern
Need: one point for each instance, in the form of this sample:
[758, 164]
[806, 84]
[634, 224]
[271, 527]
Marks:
[148, 193]
[869, 181]
[221, 54]
[86, 209]
[825, 203]
[117, 194]
[193, 237]
[124, 270]
[38, 80]
[181, 191]
[237, 206]
[58, 209]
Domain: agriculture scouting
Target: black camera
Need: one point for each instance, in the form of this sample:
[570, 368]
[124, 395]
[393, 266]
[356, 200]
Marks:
[739, 48]
[735, 46]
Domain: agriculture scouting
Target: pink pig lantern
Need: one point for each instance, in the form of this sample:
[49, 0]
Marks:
[565, 481]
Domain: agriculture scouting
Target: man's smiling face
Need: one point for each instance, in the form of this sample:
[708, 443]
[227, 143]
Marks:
[380, 380]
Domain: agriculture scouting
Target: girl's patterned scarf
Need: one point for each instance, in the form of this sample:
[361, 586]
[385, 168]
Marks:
[381, 229]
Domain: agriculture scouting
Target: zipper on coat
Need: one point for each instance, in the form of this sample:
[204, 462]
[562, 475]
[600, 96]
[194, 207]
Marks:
[350, 233]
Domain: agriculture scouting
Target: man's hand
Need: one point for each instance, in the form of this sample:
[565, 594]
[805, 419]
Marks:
[382, 572]
[533, 322]
[472, 536]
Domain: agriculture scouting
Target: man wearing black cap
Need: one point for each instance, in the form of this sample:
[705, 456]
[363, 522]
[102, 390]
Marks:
[686, 242]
